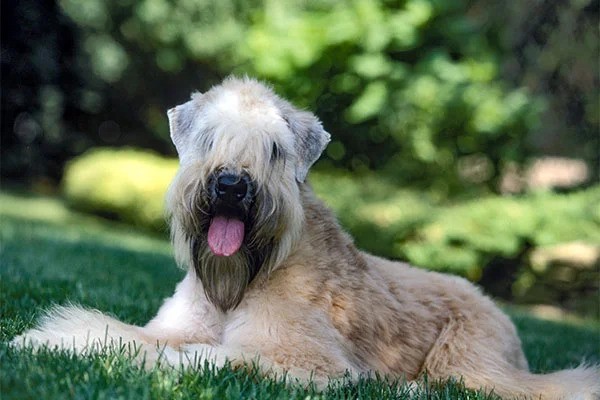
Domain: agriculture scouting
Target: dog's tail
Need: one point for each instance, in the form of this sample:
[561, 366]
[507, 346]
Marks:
[581, 383]
[85, 331]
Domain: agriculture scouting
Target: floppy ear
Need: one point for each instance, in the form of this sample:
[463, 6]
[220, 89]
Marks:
[310, 139]
[181, 120]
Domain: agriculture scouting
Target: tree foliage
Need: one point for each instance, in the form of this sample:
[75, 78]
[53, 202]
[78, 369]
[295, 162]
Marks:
[414, 88]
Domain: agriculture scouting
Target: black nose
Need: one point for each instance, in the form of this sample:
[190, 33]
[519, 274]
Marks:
[232, 188]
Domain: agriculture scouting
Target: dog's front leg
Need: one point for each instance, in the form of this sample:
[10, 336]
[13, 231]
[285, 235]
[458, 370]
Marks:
[196, 355]
[185, 318]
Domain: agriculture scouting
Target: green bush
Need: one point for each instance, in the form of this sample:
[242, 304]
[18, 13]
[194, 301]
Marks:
[129, 185]
[466, 237]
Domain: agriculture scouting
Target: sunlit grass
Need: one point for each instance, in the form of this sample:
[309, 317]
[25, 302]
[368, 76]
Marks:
[51, 217]
[51, 255]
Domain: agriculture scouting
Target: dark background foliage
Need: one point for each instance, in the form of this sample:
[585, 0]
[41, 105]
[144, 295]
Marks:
[410, 88]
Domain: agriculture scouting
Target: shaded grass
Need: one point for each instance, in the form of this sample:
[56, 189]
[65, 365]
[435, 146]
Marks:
[50, 255]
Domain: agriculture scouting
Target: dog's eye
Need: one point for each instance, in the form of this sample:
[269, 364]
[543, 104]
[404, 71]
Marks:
[275, 152]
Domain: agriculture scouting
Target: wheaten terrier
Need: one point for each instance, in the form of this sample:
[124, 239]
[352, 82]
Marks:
[272, 278]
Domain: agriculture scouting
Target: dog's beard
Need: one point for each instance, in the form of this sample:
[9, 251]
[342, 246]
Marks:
[224, 278]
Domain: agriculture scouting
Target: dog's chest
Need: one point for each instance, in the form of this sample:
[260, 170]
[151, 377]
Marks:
[251, 324]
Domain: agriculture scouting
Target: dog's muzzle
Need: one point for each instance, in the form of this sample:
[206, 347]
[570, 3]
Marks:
[232, 196]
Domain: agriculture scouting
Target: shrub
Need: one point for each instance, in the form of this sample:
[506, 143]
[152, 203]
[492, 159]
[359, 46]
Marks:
[466, 237]
[128, 185]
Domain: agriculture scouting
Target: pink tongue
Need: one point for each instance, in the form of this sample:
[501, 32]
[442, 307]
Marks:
[225, 235]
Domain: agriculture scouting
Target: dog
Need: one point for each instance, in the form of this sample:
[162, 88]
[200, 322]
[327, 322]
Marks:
[274, 280]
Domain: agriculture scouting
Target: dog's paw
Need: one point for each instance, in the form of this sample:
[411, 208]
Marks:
[193, 355]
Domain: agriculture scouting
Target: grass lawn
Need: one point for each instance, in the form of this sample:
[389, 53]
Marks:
[50, 255]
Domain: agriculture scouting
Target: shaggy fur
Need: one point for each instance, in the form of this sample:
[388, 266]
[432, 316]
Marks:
[298, 296]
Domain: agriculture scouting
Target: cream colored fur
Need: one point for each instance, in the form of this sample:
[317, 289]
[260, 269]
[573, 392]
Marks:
[320, 308]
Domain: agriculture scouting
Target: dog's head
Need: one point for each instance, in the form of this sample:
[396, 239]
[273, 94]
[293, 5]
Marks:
[235, 203]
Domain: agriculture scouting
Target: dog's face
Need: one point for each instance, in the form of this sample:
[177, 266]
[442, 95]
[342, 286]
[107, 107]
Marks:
[235, 203]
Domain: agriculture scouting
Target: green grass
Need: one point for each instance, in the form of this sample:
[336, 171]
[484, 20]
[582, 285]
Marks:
[50, 255]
